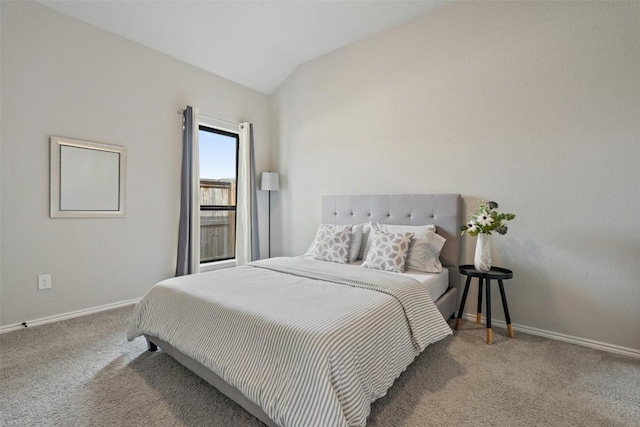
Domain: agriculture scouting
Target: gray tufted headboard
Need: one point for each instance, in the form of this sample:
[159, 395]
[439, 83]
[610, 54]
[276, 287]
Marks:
[442, 210]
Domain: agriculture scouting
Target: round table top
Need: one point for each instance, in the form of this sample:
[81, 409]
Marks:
[495, 272]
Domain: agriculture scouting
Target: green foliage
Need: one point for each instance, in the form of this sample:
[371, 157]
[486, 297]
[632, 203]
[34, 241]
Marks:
[486, 220]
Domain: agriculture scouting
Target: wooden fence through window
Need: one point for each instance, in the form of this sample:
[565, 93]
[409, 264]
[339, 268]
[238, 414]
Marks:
[217, 219]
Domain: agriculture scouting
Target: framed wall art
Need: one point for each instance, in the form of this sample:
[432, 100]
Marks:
[88, 179]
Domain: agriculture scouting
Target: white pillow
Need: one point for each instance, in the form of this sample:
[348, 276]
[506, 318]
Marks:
[356, 242]
[333, 245]
[388, 251]
[366, 239]
[420, 231]
[424, 252]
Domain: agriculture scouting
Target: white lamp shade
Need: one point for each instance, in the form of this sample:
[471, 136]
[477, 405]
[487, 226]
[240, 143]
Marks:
[270, 181]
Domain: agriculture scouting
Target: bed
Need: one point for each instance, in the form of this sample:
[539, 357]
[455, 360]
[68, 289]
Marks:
[320, 341]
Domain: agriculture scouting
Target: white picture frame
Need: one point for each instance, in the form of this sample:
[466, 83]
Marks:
[88, 179]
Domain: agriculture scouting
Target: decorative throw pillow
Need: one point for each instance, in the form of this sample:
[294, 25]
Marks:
[420, 231]
[333, 245]
[322, 229]
[425, 248]
[388, 251]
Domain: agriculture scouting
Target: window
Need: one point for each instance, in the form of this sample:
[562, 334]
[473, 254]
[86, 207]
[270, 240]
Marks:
[218, 154]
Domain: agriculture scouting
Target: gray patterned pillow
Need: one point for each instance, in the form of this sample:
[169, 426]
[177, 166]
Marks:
[322, 229]
[333, 244]
[388, 251]
[425, 247]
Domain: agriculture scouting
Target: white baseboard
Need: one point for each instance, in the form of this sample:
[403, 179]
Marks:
[472, 317]
[65, 316]
[625, 351]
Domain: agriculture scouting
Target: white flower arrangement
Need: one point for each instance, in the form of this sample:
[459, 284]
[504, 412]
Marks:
[486, 220]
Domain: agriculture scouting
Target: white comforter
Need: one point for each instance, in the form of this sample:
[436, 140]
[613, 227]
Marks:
[311, 343]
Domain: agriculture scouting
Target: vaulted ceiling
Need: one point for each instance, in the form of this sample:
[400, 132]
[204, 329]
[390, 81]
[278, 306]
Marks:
[254, 43]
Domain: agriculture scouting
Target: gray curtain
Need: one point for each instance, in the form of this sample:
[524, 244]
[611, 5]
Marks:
[255, 239]
[183, 264]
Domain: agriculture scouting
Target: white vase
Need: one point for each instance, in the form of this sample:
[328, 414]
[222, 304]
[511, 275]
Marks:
[482, 258]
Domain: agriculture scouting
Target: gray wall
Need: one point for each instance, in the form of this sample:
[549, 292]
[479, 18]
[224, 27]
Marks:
[533, 104]
[63, 77]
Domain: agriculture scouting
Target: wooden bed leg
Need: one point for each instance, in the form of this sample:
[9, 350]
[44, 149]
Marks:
[151, 346]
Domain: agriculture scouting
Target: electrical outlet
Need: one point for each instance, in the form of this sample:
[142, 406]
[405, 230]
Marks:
[44, 281]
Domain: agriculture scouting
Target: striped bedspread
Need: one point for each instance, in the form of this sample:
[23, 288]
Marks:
[312, 343]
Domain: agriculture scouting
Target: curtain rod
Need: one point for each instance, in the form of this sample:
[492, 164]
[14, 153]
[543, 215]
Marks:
[181, 110]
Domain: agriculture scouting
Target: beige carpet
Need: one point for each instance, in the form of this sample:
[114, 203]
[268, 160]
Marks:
[82, 372]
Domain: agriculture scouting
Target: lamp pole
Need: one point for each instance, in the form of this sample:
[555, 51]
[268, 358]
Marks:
[269, 223]
[270, 182]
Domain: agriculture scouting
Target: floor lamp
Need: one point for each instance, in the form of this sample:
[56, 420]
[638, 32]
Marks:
[270, 181]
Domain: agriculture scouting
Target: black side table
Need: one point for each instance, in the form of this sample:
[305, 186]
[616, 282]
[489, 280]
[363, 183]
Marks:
[496, 273]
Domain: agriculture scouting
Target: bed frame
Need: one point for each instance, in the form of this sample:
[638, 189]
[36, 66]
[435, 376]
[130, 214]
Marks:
[442, 210]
